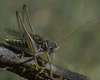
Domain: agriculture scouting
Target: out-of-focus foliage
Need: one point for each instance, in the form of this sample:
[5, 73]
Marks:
[56, 19]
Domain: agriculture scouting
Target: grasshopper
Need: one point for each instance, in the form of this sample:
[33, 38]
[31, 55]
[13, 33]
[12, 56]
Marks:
[30, 42]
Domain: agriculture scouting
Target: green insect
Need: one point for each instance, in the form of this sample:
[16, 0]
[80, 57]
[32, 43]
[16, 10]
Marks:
[30, 42]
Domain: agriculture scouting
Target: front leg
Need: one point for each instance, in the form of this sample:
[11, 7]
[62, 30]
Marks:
[48, 58]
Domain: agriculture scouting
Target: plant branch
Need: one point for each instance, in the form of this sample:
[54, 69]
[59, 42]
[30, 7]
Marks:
[21, 66]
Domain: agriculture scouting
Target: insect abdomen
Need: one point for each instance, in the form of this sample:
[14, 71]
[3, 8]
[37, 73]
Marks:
[16, 44]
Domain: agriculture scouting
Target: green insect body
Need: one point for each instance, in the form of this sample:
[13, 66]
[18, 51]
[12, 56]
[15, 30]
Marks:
[31, 42]
[39, 40]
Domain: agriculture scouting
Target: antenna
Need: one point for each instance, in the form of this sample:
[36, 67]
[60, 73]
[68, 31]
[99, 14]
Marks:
[78, 29]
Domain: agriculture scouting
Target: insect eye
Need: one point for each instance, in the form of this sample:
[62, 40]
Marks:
[56, 45]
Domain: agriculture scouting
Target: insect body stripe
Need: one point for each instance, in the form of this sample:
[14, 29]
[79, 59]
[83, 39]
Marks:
[16, 42]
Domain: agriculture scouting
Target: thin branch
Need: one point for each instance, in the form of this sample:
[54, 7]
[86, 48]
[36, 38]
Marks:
[22, 65]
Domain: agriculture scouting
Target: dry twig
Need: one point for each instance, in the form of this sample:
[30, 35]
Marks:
[20, 66]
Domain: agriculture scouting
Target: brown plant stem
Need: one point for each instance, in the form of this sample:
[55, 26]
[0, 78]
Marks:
[7, 59]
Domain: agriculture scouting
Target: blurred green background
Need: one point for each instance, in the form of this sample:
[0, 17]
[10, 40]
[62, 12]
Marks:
[57, 19]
